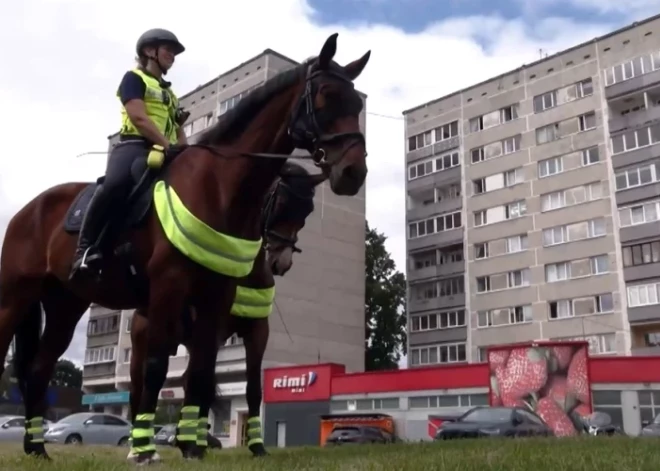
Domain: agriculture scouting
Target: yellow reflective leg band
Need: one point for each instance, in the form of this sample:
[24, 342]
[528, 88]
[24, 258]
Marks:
[254, 431]
[34, 429]
[202, 431]
[142, 434]
[187, 426]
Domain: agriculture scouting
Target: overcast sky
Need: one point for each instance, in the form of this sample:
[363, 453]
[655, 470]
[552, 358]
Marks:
[62, 61]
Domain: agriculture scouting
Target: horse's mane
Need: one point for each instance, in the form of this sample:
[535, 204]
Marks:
[236, 119]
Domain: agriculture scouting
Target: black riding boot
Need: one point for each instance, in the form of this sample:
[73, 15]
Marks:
[87, 255]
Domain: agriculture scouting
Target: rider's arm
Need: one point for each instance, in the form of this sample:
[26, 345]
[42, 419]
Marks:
[182, 140]
[131, 93]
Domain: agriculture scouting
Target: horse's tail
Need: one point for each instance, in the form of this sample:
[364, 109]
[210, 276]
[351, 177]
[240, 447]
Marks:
[27, 337]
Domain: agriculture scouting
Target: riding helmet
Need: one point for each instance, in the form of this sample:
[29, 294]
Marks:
[156, 37]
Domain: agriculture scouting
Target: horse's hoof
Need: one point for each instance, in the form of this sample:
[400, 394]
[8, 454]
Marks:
[258, 450]
[36, 450]
[143, 459]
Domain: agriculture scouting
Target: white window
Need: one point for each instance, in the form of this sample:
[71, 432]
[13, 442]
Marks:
[554, 235]
[434, 354]
[584, 88]
[100, 355]
[643, 295]
[480, 218]
[552, 201]
[587, 121]
[419, 141]
[446, 131]
[516, 243]
[127, 355]
[547, 133]
[600, 264]
[444, 222]
[639, 214]
[520, 314]
[573, 232]
[551, 166]
[478, 155]
[511, 144]
[557, 272]
[590, 156]
[560, 309]
[504, 316]
[545, 101]
[129, 321]
[513, 177]
[636, 138]
[509, 113]
[519, 278]
[637, 176]
[481, 251]
[516, 210]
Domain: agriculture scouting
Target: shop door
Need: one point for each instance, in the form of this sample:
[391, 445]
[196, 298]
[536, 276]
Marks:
[243, 424]
[281, 434]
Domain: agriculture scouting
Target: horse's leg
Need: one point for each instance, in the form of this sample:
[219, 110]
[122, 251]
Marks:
[139, 326]
[200, 381]
[165, 302]
[255, 339]
[63, 311]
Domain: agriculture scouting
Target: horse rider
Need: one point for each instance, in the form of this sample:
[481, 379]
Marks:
[151, 126]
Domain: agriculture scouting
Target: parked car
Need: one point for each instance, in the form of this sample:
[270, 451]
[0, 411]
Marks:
[90, 428]
[598, 423]
[494, 421]
[167, 436]
[12, 428]
[358, 434]
[651, 428]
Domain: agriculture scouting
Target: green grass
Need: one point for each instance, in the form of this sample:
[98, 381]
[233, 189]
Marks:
[601, 454]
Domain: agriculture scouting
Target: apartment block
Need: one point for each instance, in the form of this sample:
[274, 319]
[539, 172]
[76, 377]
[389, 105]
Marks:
[533, 205]
[319, 312]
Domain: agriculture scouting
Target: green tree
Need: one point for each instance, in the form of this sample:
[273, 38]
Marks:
[385, 304]
[67, 374]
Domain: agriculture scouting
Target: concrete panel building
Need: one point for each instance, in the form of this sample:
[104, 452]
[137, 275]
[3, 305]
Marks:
[533, 202]
[319, 304]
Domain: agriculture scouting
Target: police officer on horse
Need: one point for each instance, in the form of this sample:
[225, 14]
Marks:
[151, 126]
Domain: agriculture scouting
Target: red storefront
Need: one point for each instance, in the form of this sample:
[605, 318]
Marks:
[296, 397]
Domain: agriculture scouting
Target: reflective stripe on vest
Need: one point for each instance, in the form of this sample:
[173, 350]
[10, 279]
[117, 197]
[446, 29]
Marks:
[221, 253]
[161, 105]
[187, 426]
[252, 302]
[142, 434]
[34, 430]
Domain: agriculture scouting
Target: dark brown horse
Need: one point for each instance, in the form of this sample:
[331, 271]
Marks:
[199, 233]
[290, 202]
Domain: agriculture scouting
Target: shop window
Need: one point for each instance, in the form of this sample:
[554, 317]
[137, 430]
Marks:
[649, 405]
[610, 403]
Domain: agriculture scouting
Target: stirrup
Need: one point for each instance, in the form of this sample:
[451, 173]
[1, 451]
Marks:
[86, 257]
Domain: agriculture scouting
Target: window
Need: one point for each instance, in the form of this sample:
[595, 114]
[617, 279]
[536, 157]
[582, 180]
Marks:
[481, 251]
[500, 281]
[547, 133]
[636, 138]
[638, 176]
[444, 222]
[609, 402]
[438, 289]
[590, 156]
[421, 140]
[571, 196]
[437, 163]
[504, 246]
[649, 406]
[445, 193]
[552, 201]
[480, 218]
[129, 321]
[511, 144]
[516, 244]
[549, 167]
[640, 65]
[584, 88]
[448, 400]
[516, 210]
[494, 118]
[562, 309]
[504, 316]
[100, 355]
[103, 325]
[639, 214]
[641, 254]
[231, 102]
[435, 354]
[573, 232]
[377, 404]
[587, 121]
[201, 123]
[643, 295]
[127, 355]
[599, 344]
[513, 177]
[446, 131]
[440, 320]
[545, 101]
[577, 268]
[496, 149]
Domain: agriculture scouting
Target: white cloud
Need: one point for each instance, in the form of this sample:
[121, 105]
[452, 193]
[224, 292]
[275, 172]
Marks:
[63, 59]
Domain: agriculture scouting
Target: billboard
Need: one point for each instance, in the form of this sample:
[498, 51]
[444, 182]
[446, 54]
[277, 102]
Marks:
[550, 378]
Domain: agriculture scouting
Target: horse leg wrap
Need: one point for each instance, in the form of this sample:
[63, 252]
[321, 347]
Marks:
[187, 427]
[202, 432]
[33, 441]
[142, 435]
[255, 442]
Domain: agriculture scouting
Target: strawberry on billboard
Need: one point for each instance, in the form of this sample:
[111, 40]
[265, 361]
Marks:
[551, 379]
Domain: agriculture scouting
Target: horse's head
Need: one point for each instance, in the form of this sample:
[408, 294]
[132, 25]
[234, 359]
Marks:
[287, 206]
[326, 120]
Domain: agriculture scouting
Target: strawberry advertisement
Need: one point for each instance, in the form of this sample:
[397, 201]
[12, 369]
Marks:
[550, 379]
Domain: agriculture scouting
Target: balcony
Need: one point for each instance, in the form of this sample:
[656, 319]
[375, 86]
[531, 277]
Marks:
[437, 148]
[436, 271]
[641, 272]
[632, 85]
[644, 314]
[444, 302]
[434, 180]
[646, 351]
[634, 110]
[439, 239]
[423, 211]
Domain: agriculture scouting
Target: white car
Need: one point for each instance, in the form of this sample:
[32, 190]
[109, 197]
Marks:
[12, 428]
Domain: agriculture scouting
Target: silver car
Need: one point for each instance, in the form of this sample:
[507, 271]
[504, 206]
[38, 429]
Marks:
[12, 428]
[90, 428]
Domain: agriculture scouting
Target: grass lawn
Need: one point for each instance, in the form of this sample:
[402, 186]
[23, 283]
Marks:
[602, 454]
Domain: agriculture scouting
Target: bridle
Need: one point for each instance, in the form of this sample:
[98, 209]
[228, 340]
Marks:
[269, 217]
[306, 125]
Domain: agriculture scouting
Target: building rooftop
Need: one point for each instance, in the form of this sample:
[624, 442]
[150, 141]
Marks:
[540, 61]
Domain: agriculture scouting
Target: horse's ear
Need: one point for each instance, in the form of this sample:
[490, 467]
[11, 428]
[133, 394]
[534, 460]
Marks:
[328, 51]
[355, 68]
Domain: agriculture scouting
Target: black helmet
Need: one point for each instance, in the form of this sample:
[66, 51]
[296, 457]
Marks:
[156, 37]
